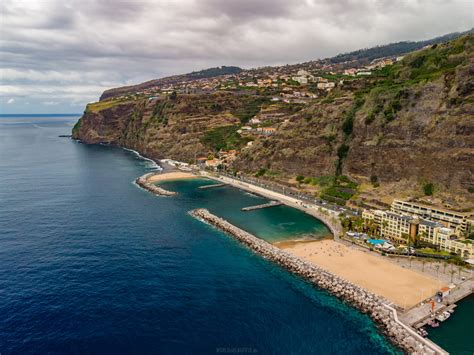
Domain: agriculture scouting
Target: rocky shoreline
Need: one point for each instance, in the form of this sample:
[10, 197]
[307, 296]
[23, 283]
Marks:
[375, 306]
[142, 181]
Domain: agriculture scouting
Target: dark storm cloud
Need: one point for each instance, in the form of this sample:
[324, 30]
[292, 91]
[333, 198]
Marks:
[65, 52]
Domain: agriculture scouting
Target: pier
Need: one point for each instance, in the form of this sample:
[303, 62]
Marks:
[265, 205]
[431, 317]
[210, 186]
[375, 306]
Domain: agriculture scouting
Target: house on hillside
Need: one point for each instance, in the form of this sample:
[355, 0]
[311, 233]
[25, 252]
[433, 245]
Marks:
[266, 131]
[213, 163]
[326, 86]
[255, 121]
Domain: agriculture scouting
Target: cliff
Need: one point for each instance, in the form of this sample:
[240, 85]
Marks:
[410, 125]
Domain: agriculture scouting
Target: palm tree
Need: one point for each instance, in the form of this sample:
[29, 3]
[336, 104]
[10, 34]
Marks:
[452, 275]
[460, 269]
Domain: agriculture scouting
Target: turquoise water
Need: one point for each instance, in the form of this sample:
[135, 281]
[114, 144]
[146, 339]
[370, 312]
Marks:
[91, 264]
[273, 224]
[456, 334]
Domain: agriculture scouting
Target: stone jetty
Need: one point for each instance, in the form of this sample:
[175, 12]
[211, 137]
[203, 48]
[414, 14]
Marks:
[210, 186]
[375, 306]
[265, 205]
[142, 181]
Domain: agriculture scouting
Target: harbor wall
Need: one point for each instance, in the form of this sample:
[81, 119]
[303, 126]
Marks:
[142, 181]
[375, 306]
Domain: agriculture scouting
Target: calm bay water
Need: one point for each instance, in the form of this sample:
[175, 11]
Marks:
[455, 334]
[89, 263]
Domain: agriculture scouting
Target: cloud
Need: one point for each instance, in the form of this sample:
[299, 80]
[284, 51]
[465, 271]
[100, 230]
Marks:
[69, 51]
[10, 101]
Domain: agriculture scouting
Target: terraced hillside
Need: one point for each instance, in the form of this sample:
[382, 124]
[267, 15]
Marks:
[409, 127]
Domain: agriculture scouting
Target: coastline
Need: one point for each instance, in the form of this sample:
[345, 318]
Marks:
[170, 175]
[330, 219]
[144, 183]
[375, 306]
[376, 274]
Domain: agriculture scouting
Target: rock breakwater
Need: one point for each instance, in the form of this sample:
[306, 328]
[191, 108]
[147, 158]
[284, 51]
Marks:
[360, 298]
[142, 181]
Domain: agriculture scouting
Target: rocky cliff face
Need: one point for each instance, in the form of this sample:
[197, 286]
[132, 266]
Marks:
[162, 127]
[412, 124]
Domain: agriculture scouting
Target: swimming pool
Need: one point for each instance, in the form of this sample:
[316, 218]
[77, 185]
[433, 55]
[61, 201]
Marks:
[376, 241]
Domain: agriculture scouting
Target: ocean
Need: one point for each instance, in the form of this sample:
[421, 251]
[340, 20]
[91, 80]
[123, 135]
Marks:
[90, 263]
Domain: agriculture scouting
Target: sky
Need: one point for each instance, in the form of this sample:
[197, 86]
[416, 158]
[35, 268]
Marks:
[58, 55]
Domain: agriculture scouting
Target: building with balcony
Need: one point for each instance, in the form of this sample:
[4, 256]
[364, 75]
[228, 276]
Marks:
[459, 221]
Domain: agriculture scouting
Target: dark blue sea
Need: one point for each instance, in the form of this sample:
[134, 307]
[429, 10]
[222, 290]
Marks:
[91, 264]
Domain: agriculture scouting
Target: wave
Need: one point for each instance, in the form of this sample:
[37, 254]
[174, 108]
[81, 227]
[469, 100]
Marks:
[151, 164]
[250, 194]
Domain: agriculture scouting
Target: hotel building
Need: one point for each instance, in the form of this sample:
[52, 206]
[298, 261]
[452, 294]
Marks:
[461, 222]
[406, 229]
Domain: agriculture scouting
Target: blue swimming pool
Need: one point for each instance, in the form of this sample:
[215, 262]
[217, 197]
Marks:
[376, 241]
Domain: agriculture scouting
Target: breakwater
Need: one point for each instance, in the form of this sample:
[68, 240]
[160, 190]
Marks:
[265, 205]
[210, 186]
[375, 306]
[142, 181]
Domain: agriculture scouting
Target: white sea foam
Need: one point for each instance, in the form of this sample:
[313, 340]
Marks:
[151, 164]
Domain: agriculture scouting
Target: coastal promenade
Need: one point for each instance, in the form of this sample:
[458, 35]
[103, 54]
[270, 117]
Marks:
[375, 306]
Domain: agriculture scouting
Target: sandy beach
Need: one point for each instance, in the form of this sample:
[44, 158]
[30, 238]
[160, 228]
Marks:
[403, 287]
[173, 175]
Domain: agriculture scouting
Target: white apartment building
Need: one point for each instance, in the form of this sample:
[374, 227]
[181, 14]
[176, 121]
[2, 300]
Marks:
[459, 221]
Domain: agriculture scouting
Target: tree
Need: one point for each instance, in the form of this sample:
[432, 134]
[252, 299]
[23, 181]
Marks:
[419, 237]
[374, 181]
[428, 189]
[260, 172]
[300, 178]
[173, 96]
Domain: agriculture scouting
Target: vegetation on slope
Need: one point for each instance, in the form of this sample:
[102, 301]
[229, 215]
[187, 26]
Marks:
[249, 109]
[223, 138]
[212, 72]
[347, 127]
[399, 82]
[393, 49]
[95, 107]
